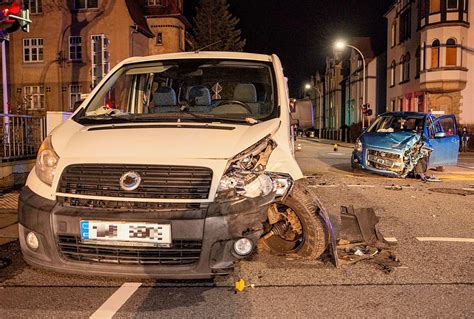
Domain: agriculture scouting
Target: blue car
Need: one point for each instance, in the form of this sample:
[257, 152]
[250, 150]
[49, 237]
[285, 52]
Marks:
[399, 143]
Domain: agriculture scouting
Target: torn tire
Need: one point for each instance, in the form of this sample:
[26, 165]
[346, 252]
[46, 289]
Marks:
[314, 238]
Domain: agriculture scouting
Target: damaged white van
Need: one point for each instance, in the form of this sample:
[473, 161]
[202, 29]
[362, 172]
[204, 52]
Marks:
[176, 166]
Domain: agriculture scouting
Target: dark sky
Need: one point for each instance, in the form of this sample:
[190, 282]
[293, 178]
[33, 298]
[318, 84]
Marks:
[301, 32]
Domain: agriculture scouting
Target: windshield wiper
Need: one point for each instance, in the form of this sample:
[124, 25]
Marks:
[107, 117]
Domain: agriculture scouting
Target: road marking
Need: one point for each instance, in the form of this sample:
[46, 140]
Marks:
[116, 301]
[323, 185]
[336, 153]
[447, 239]
[391, 239]
[370, 186]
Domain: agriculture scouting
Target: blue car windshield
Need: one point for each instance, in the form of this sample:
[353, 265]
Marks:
[392, 123]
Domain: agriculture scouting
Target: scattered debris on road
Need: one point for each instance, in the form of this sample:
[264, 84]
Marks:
[361, 240]
[394, 187]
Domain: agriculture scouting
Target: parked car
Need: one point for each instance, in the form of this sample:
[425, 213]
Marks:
[175, 166]
[397, 142]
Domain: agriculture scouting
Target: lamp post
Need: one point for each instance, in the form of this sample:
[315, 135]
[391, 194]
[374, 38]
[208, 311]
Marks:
[340, 45]
[308, 87]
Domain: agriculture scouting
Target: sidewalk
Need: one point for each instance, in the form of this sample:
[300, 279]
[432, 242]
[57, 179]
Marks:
[329, 142]
[8, 217]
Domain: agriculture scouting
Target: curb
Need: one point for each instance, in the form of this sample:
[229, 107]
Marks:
[327, 142]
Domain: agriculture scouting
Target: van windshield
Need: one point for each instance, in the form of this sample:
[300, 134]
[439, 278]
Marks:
[195, 89]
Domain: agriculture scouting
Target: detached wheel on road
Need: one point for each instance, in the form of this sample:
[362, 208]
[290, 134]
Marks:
[299, 231]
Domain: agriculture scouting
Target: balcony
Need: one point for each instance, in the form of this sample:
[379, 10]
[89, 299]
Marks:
[444, 80]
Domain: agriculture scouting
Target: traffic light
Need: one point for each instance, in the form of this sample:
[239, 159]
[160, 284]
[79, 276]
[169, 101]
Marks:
[25, 15]
[8, 8]
[10, 18]
[367, 110]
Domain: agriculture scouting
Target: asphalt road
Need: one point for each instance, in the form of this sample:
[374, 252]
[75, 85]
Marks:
[435, 279]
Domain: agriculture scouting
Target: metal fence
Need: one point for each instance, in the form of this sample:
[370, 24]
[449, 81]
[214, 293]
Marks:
[21, 136]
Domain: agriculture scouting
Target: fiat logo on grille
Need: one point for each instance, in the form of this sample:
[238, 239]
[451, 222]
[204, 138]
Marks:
[130, 181]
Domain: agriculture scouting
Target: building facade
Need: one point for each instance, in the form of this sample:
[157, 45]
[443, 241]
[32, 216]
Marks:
[342, 89]
[72, 44]
[430, 57]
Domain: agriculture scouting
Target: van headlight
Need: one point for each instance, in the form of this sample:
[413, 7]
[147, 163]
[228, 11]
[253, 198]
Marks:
[46, 162]
[246, 176]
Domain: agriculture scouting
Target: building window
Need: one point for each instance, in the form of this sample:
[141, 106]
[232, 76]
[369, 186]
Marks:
[100, 58]
[418, 62]
[34, 97]
[393, 69]
[36, 6]
[33, 50]
[87, 4]
[394, 34]
[435, 6]
[155, 3]
[435, 54]
[392, 106]
[405, 25]
[75, 91]
[452, 4]
[451, 52]
[406, 68]
[75, 48]
[159, 38]
[402, 68]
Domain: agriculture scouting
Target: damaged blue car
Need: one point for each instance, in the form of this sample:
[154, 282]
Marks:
[400, 143]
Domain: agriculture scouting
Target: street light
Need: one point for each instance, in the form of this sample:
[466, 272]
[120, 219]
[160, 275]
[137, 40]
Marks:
[308, 87]
[340, 45]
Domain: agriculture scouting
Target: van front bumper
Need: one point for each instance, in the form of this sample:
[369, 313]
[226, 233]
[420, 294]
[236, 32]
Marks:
[214, 233]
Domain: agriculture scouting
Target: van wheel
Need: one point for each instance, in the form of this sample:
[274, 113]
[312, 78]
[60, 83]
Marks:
[300, 230]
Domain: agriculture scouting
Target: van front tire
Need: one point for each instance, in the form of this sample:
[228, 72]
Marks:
[315, 237]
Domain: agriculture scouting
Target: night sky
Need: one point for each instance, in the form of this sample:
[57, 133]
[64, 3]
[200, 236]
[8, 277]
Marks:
[301, 32]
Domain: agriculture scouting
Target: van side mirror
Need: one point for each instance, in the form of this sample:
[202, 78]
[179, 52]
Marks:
[440, 135]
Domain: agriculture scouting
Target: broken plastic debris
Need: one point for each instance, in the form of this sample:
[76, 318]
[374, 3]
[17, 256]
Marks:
[239, 285]
[359, 252]
[394, 187]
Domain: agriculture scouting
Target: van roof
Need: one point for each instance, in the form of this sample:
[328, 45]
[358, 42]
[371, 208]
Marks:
[202, 55]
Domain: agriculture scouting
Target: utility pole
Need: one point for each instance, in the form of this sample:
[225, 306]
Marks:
[10, 22]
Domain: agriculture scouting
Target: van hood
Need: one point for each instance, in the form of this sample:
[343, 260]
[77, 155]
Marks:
[158, 140]
[397, 141]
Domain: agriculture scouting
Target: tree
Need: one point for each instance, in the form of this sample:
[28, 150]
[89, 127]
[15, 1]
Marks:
[214, 23]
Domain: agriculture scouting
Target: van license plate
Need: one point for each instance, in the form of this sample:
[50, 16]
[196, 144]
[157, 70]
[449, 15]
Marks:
[107, 232]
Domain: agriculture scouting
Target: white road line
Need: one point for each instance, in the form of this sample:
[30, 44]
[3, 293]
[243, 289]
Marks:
[447, 239]
[391, 239]
[369, 186]
[117, 300]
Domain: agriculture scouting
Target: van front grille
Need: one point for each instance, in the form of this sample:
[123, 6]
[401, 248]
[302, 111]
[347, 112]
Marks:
[157, 181]
[181, 252]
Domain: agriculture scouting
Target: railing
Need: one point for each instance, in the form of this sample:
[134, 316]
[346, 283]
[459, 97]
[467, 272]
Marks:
[21, 136]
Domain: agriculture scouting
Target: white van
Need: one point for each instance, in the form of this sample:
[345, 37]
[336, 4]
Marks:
[175, 166]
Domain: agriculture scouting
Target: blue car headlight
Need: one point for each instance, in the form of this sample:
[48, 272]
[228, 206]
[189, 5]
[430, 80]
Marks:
[358, 146]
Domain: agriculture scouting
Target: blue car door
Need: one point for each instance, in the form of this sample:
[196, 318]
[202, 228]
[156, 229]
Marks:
[444, 139]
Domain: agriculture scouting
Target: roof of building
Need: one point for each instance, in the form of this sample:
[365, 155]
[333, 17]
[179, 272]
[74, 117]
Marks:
[138, 16]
